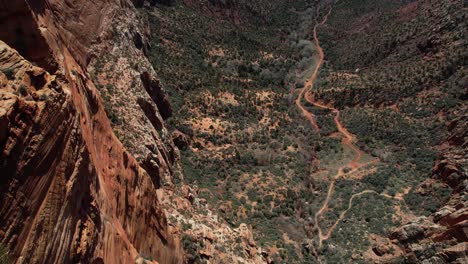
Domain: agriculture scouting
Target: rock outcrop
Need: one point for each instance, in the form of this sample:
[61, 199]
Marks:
[443, 236]
[84, 152]
[71, 192]
[206, 236]
[155, 91]
[180, 139]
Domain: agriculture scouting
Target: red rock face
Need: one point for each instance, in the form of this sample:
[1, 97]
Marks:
[70, 192]
[19, 30]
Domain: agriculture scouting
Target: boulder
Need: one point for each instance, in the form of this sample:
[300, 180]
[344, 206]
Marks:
[180, 139]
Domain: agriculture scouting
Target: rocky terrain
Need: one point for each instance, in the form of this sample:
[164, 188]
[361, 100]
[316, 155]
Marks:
[70, 191]
[233, 131]
[442, 237]
[89, 165]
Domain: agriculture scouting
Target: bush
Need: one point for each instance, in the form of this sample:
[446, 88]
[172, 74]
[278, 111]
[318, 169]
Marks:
[10, 73]
[429, 203]
[191, 248]
[22, 90]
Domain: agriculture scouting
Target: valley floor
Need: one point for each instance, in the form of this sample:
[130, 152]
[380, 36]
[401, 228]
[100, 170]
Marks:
[282, 137]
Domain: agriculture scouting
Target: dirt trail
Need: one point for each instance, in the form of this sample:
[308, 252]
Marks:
[350, 205]
[306, 94]
[310, 82]
[342, 215]
[348, 138]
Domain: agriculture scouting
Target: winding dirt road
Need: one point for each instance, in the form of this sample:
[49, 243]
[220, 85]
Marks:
[310, 82]
[347, 140]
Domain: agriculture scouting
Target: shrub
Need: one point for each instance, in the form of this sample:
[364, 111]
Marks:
[23, 90]
[191, 248]
[10, 73]
[43, 97]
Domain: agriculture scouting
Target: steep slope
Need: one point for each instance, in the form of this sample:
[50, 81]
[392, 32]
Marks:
[70, 191]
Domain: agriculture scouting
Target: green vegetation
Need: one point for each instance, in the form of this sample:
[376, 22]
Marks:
[254, 156]
[9, 73]
[191, 247]
[22, 90]
[43, 97]
[4, 257]
[395, 54]
[428, 202]
[394, 138]
[397, 89]
[370, 213]
[230, 86]
[106, 93]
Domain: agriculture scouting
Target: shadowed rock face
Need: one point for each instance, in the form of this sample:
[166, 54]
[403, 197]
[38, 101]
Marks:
[20, 31]
[70, 192]
[155, 91]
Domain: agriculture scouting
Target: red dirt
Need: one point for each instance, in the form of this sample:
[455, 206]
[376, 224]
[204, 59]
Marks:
[347, 140]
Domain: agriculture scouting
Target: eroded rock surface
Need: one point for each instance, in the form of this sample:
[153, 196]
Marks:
[70, 191]
[85, 155]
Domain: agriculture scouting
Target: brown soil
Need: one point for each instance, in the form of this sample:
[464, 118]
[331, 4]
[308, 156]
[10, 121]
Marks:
[348, 140]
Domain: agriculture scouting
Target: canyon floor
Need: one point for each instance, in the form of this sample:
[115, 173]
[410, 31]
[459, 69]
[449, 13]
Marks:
[236, 131]
[317, 127]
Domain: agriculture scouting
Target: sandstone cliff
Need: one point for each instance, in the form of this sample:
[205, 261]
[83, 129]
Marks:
[70, 191]
[85, 155]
